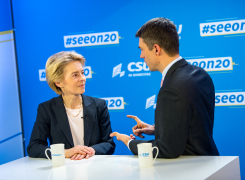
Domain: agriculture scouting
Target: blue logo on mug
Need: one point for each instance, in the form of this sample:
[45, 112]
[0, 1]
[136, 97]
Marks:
[144, 154]
[56, 154]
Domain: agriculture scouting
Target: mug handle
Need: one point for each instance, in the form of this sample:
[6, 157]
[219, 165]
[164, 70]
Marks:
[156, 154]
[47, 154]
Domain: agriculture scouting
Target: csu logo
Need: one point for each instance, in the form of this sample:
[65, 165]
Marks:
[151, 102]
[114, 103]
[214, 64]
[144, 154]
[137, 66]
[230, 99]
[179, 29]
[87, 72]
[117, 70]
[93, 39]
[222, 28]
[134, 69]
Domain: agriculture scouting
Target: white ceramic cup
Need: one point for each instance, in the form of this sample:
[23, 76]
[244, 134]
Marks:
[58, 154]
[145, 154]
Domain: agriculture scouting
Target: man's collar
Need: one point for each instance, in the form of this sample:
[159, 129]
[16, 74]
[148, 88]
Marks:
[169, 66]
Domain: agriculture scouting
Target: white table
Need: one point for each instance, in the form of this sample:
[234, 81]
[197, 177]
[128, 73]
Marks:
[124, 167]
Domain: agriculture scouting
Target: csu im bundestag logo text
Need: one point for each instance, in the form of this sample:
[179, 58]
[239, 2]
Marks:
[134, 69]
[222, 28]
[92, 39]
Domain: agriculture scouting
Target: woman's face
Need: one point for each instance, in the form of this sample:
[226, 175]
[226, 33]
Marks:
[73, 82]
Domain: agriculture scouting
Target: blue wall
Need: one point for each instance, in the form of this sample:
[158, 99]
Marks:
[5, 16]
[11, 143]
[42, 26]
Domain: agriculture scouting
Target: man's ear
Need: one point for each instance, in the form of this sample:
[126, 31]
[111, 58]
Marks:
[157, 49]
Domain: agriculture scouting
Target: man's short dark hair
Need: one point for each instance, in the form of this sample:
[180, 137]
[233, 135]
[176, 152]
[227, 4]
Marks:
[160, 31]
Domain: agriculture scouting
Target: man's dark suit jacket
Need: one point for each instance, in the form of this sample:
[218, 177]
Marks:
[184, 115]
[52, 122]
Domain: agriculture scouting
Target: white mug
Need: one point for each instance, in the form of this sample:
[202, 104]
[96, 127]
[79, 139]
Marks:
[145, 154]
[58, 154]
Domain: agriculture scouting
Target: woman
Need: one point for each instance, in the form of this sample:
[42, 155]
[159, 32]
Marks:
[80, 122]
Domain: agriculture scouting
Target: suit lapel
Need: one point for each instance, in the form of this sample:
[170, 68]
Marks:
[175, 66]
[61, 116]
[88, 117]
[166, 82]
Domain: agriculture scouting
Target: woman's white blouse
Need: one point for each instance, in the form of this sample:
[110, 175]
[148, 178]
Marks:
[76, 126]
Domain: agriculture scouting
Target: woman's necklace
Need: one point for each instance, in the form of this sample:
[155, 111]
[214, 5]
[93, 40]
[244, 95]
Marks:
[69, 113]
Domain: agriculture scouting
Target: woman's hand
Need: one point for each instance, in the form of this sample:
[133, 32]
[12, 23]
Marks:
[77, 157]
[71, 152]
[79, 152]
[90, 155]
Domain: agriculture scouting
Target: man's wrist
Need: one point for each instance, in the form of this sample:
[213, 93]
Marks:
[129, 142]
[153, 129]
[125, 141]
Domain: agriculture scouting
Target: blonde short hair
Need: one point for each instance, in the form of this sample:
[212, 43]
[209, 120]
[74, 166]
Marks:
[55, 67]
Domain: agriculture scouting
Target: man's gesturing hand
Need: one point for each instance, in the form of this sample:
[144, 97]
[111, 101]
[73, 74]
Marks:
[141, 127]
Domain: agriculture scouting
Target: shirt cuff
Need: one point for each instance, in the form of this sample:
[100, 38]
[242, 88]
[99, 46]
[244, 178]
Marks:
[129, 142]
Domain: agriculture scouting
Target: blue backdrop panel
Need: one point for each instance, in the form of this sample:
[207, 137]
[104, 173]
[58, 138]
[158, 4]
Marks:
[5, 15]
[11, 149]
[10, 123]
[11, 143]
[211, 36]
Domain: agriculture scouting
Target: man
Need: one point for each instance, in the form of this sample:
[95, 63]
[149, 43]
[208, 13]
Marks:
[184, 115]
